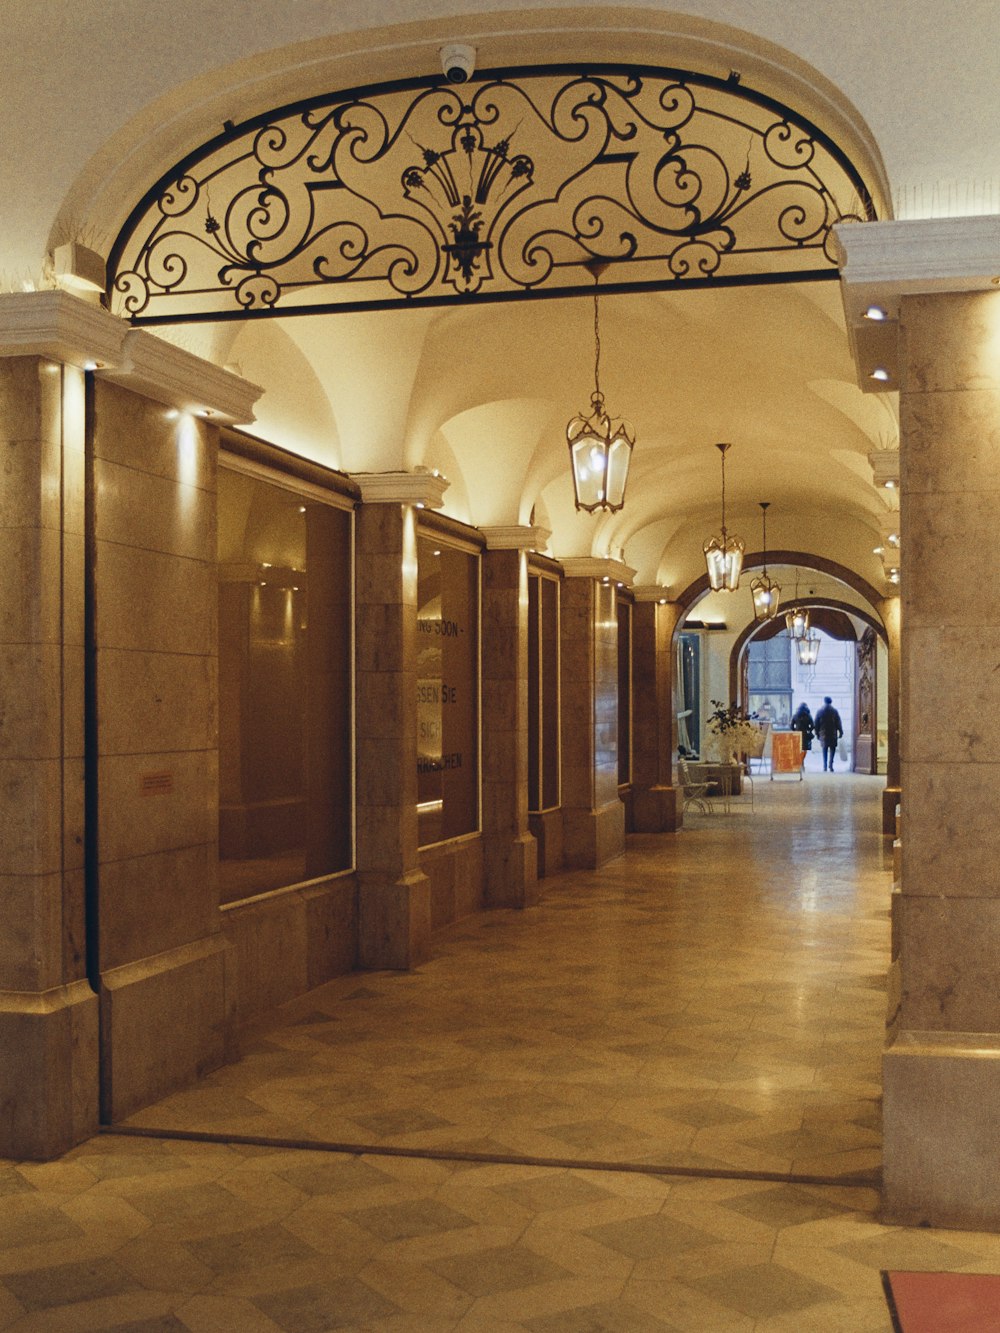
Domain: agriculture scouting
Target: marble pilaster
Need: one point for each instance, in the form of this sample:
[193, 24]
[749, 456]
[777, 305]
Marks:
[655, 804]
[48, 1011]
[889, 609]
[936, 281]
[510, 854]
[166, 999]
[593, 814]
[394, 905]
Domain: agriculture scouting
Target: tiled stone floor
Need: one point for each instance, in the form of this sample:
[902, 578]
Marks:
[649, 1104]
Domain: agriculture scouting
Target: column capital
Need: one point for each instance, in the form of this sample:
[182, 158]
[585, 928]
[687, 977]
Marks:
[421, 488]
[78, 333]
[881, 262]
[516, 537]
[168, 374]
[651, 592]
[63, 327]
[601, 568]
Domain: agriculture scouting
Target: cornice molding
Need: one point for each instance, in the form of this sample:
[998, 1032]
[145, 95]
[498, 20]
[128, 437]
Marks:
[516, 537]
[424, 490]
[171, 375]
[651, 592]
[63, 327]
[920, 255]
[603, 569]
[881, 262]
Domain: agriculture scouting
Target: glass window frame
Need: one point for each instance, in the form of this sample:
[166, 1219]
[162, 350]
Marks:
[626, 681]
[275, 475]
[545, 673]
[426, 529]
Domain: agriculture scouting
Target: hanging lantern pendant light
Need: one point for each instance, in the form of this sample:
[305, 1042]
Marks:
[724, 554]
[797, 617]
[808, 649]
[765, 591]
[600, 449]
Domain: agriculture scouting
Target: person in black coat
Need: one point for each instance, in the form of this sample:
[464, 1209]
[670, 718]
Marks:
[829, 729]
[802, 722]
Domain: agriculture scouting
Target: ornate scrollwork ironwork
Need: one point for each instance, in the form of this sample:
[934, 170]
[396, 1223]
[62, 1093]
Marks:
[426, 193]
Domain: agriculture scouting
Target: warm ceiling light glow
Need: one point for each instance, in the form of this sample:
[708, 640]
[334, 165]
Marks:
[878, 550]
[879, 373]
[876, 312]
[890, 484]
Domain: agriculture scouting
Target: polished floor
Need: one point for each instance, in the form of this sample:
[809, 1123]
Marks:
[652, 1103]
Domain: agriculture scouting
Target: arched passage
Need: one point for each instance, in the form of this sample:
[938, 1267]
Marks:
[878, 612]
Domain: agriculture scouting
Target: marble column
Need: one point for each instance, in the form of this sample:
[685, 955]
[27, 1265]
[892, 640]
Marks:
[593, 815]
[656, 807]
[48, 1011]
[394, 904]
[935, 282]
[510, 853]
[889, 609]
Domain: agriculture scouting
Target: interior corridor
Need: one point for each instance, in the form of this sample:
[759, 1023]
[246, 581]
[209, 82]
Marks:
[650, 1103]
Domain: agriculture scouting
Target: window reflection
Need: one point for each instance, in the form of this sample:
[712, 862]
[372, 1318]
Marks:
[543, 692]
[447, 691]
[284, 687]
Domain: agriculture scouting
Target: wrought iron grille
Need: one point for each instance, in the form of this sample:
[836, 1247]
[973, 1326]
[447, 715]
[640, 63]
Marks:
[430, 193]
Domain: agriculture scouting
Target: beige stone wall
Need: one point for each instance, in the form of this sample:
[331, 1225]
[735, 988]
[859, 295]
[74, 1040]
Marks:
[166, 999]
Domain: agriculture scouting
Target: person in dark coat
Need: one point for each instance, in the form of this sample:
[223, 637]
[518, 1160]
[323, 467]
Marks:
[802, 722]
[829, 729]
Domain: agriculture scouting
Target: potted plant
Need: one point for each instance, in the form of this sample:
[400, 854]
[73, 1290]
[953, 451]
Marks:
[733, 730]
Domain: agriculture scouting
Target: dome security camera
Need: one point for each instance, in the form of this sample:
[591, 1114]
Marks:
[458, 60]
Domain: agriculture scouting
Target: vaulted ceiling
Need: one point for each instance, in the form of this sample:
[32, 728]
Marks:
[104, 99]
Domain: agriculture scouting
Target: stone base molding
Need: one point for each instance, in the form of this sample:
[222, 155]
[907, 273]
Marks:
[48, 1070]
[547, 827]
[593, 837]
[394, 921]
[165, 1021]
[511, 865]
[656, 809]
[940, 1144]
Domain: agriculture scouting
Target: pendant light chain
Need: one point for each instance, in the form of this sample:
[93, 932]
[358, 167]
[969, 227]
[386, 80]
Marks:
[597, 346]
[600, 448]
[723, 495]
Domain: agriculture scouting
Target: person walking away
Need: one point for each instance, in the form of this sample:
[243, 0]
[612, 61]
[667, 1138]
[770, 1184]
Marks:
[802, 722]
[829, 729]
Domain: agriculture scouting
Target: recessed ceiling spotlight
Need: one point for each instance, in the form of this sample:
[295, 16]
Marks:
[879, 373]
[890, 484]
[878, 550]
[876, 313]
